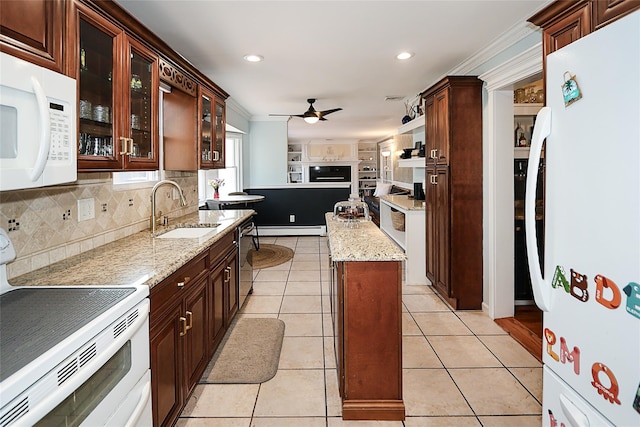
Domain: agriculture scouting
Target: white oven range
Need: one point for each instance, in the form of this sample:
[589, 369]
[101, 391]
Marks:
[73, 355]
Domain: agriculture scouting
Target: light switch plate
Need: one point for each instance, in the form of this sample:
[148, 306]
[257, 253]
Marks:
[86, 209]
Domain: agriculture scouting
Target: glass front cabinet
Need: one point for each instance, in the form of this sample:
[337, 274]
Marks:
[118, 90]
[212, 132]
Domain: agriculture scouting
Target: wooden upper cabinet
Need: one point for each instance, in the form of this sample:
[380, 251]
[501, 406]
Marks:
[220, 120]
[573, 26]
[33, 30]
[118, 87]
[607, 11]
[212, 119]
[206, 123]
[564, 22]
[436, 126]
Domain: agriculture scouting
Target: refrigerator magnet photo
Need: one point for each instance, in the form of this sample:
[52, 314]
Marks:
[570, 89]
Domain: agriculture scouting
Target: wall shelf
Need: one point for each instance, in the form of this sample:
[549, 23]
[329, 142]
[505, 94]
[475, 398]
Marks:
[417, 123]
[414, 162]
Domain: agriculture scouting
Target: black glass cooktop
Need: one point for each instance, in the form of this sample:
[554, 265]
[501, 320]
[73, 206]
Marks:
[34, 320]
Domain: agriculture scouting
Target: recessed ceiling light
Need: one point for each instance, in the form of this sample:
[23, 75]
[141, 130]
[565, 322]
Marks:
[404, 55]
[253, 58]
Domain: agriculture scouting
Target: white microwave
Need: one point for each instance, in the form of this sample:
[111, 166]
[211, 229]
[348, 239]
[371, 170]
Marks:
[38, 139]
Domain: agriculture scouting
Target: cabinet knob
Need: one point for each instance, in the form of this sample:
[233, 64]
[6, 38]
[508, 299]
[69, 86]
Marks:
[183, 320]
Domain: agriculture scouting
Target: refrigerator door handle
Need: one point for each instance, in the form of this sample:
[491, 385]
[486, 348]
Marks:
[541, 289]
[575, 416]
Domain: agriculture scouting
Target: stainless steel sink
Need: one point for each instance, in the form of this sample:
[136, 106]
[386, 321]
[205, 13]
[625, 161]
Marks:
[188, 232]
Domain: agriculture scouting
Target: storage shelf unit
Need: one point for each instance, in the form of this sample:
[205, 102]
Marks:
[295, 173]
[415, 225]
[367, 168]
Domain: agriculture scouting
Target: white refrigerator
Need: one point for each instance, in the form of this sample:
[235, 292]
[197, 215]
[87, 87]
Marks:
[590, 293]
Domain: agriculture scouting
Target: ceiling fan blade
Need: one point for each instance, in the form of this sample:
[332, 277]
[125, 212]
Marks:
[287, 115]
[325, 112]
[323, 119]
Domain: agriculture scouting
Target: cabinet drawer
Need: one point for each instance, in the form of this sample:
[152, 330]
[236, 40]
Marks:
[179, 282]
[218, 250]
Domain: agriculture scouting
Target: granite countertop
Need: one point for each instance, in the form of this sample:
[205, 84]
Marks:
[403, 202]
[138, 259]
[364, 243]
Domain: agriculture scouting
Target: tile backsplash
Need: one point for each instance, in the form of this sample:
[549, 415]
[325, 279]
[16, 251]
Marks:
[43, 222]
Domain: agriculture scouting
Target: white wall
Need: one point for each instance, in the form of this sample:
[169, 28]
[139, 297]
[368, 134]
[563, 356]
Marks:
[267, 153]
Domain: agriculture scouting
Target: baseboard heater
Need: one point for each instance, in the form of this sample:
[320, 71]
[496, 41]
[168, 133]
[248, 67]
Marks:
[295, 230]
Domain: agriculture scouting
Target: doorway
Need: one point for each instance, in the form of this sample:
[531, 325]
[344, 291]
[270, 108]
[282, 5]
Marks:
[499, 294]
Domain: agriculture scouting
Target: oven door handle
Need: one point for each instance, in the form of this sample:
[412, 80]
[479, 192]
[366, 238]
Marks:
[145, 395]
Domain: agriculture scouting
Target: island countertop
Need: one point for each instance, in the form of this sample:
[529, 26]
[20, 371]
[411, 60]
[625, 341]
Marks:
[364, 243]
[139, 259]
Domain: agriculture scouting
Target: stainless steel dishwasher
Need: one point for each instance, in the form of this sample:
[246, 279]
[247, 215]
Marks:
[248, 239]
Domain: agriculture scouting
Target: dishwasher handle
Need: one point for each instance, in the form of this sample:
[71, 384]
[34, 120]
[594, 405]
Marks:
[247, 229]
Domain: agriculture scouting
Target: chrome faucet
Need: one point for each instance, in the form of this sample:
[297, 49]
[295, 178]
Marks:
[183, 202]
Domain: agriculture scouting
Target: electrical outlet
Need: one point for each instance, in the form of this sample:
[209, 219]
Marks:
[86, 209]
[292, 218]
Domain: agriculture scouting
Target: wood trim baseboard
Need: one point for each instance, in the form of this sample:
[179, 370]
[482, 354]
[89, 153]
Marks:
[530, 341]
[380, 410]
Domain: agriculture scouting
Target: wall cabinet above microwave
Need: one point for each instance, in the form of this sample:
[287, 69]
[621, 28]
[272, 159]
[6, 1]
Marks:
[38, 39]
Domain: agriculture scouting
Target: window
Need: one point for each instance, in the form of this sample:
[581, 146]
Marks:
[126, 180]
[232, 173]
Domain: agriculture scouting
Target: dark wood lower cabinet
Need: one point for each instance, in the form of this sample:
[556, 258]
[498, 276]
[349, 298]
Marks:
[190, 313]
[366, 307]
[166, 389]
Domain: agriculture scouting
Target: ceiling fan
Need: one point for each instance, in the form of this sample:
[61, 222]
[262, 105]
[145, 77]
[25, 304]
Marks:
[311, 115]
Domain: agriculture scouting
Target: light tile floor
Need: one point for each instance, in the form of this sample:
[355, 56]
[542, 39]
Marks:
[460, 368]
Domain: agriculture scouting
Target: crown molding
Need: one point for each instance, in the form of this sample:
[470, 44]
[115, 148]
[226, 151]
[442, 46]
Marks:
[509, 38]
[516, 69]
[233, 104]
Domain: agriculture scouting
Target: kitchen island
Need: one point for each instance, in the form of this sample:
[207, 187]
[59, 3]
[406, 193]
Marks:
[366, 311]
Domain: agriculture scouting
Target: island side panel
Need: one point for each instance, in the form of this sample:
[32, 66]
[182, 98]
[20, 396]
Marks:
[372, 341]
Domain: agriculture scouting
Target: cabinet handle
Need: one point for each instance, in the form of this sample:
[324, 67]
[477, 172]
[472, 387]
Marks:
[183, 320]
[216, 155]
[433, 179]
[189, 320]
[130, 147]
[434, 153]
[124, 145]
[227, 274]
[184, 282]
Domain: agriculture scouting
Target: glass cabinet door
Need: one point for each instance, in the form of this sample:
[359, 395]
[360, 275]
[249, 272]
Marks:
[219, 129]
[206, 129]
[97, 147]
[117, 97]
[142, 115]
